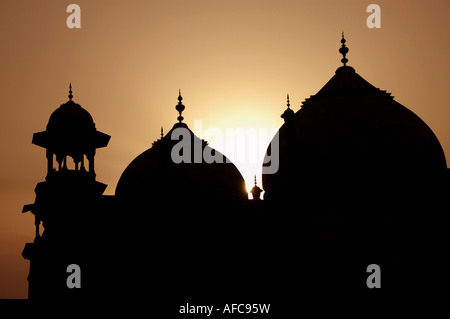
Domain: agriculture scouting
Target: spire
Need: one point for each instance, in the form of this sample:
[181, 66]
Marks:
[70, 92]
[180, 107]
[162, 132]
[343, 50]
[288, 104]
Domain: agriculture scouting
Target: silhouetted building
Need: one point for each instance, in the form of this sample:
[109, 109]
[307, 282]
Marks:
[67, 203]
[361, 180]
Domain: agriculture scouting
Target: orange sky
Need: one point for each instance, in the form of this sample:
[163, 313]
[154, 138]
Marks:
[234, 61]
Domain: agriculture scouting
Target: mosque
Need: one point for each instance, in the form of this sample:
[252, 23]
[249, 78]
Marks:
[362, 180]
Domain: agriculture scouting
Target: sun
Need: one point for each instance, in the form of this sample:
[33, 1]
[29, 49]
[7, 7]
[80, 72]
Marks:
[244, 147]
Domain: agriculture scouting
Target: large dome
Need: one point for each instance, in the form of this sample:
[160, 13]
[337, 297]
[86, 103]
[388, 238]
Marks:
[350, 128]
[361, 180]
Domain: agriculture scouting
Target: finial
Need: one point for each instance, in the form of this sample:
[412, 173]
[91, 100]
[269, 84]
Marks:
[162, 132]
[288, 114]
[343, 50]
[70, 92]
[256, 192]
[180, 107]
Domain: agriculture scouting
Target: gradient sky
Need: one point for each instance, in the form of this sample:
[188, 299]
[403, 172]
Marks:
[234, 61]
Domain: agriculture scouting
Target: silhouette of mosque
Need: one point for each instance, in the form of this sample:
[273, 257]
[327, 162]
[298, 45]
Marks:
[361, 180]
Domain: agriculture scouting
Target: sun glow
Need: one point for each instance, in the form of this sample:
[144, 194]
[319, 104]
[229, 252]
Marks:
[244, 146]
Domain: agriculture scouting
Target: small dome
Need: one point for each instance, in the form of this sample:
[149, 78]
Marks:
[288, 114]
[70, 116]
[71, 129]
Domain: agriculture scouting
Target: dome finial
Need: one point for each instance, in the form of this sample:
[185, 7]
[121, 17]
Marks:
[70, 92]
[343, 50]
[162, 132]
[180, 107]
[256, 191]
[288, 114]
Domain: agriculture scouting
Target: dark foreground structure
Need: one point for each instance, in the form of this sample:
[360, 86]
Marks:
[362, 180]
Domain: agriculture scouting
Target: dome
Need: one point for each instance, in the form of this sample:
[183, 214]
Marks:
[70, 116]
[155, 174]
[350, 128]
[70, 130]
